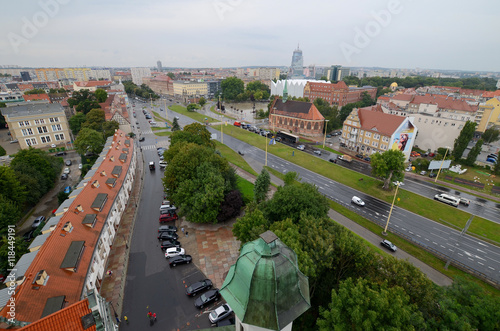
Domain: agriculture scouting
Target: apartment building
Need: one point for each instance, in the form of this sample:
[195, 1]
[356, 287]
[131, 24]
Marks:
[39, 125]
[488, 114]
[337, 94]
[138, 74]
[186, 89]
[92, 85]
[369, 130]
[161, 84]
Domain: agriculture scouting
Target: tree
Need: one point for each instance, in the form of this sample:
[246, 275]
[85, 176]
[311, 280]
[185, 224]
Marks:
[171, 75]
[474, 152]
[251, 225]
[199, 130]
[109, 128]
[21, 248]
[175, 125]
[94, 120]
[366, 100]
[2, 151]
[10, 187]
[389, 166]
[231, 205]
[261, 186]
[202, 101]
[324, 78]
[89, 141]
[257, 85]
[9, 214]
[291, 201]
[346, 110]
[291, 178]
[101, 95]
[35, 91]
[496, 169]
[232, 87]
[363, 305]
[463, 139]
[2, 118]
[192, 107]
[491, 135]
[76, 121]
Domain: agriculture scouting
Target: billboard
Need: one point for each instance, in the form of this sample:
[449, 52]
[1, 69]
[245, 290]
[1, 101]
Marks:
[404, 137]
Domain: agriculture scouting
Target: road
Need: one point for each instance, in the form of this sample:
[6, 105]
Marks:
[477, 255]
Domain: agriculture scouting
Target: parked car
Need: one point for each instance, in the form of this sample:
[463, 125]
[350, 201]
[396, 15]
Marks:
[317, 151]
[193, 289]
[80, 166]
[163, 228]
[64, 176]
[389, 245]
[301, 147]
[367, 159]
[60, 154]
[356, 200]
[13, 141]
[67, 170]
[168, 244]
[174, 251]
[219, 313]
[142, 138]
[206, 298]
[163, 164]
[333, 160]
[168, 211]
[67, 189]
[409, 168]
[38, 221]
[423, 172]
[68, 162]
[432, 174]
[359, 156]
[28, 236]
[432, 154]
[180, 259]
[168, 236]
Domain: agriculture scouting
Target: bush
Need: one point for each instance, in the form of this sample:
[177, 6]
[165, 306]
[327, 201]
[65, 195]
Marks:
[2, 151]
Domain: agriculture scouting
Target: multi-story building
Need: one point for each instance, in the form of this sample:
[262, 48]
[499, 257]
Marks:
[123, 76]
[43, 74]
[92, 85]
[213, 88]
[97, 74]
[40, 125]
[186, 90]
[369, 130]
[158, 64]
[80, 74]
[138, 74]
[25, 75]
[337, 94]
[161, 84]
[297, 66]
[297, 117]
[337, 73]
[488, 114]
[10, 97]
[69, 258]
[295, 87]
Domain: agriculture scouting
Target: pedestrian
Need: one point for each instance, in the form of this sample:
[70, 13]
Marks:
[154, 316]
[187, 233]
[126, 319]
[182, 229]
[110, 272]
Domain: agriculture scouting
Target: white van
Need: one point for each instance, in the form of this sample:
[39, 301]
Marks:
[449, 199]
[153, 123]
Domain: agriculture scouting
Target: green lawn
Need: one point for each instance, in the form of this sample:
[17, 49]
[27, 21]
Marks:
[194, 115]
[234, 158]
[163, 133]
[415, 203]
[246, 189]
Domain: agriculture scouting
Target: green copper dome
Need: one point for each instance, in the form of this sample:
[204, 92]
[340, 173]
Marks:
[265, 287]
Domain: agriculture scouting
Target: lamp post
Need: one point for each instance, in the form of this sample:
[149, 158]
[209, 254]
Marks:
[398, 183]
[324, 138]
[442, 161]
[221, 129]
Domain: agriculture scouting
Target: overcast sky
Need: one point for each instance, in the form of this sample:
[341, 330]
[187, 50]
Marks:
[445, 34]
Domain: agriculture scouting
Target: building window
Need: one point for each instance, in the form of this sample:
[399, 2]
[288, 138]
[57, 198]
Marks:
[59, 136]
[56, 127]
[45, 139]
[40, 121]
[42, 129]
[31, 141]
[367, 141]
[54, 119]
[25, 123]
[349, 128]
[27, 132]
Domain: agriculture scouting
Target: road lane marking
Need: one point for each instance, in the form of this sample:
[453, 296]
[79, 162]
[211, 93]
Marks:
[491, 268]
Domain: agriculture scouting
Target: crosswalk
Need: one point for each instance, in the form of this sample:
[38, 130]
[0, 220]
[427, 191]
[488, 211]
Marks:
[161, 143]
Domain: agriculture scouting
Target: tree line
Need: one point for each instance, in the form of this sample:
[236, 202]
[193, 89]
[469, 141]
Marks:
[351, 285]
[233, 89]
[142, 91]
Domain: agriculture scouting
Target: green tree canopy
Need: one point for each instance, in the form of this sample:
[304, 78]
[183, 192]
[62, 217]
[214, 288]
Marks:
[9, 214]
[261, 186]
[192, 107]
[175, 125]
[89, 141]
[109, 128]
[171, 75]
[94, 120]
[473, 153]
[76, 121]
[491, 135]
[101, 95]
[463, 139]
[202, 101]
[35, 91]
[257, 85]
[251, 225]
[10, 187]
[232, 87]
[2, 151]
[389, 166]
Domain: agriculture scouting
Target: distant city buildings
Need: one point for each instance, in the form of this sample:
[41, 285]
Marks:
[262, 74]
[138, 74]
[297, 66]
[337, 94]
[158, 65]
[295, 87]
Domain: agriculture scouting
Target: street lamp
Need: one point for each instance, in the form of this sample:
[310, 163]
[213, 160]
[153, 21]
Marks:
[397, 183]
[324, 138]
[442, 161]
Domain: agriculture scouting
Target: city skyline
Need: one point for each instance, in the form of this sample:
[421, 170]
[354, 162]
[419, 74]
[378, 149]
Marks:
[236, 33]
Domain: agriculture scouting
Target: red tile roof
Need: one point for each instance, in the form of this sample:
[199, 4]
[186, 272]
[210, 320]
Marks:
[297, 109]
[30, 299]
[33, 97]
[69, 318]
[377, 121]
[491, 94]
[93, 83]
[403, 97]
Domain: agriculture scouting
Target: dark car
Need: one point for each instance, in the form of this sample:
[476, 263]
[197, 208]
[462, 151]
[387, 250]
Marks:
[170, 244]
[179, 259]
[28, 236]
[359, 156]
[333, 160]
[60, 154]
[142, 139]
[432, 174]
[164, 228]
[367, 159]
[168, 218]
[389, 245]
[167, 236]
[38, 221]
[241, 153]
[197, 287]
[64, 176]
[206, 298]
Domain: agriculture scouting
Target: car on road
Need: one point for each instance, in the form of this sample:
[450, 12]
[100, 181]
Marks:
[317, 151]
[389, 245]
[167, 236]
[169, 244]
[333, 160]
[142, 139]
[219, 313]
[152, 166]
[171, 228]
[38, 221]
[448, 199]
[60, 154]
[174, 251]
[180, 259]
[80, 166]
[168, 211]
[465, 201]
[163, 164]
[67, 170]
[206, 298]
[68, 162]
[301, 147]
[64, 176]
[193, 289]
[356, 200]
[14, 141]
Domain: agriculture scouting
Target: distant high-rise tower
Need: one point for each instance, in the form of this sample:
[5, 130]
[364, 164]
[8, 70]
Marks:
[297, 67]
[159, 65]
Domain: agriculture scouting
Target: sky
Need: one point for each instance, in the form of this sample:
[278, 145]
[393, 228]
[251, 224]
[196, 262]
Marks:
[447, 35]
